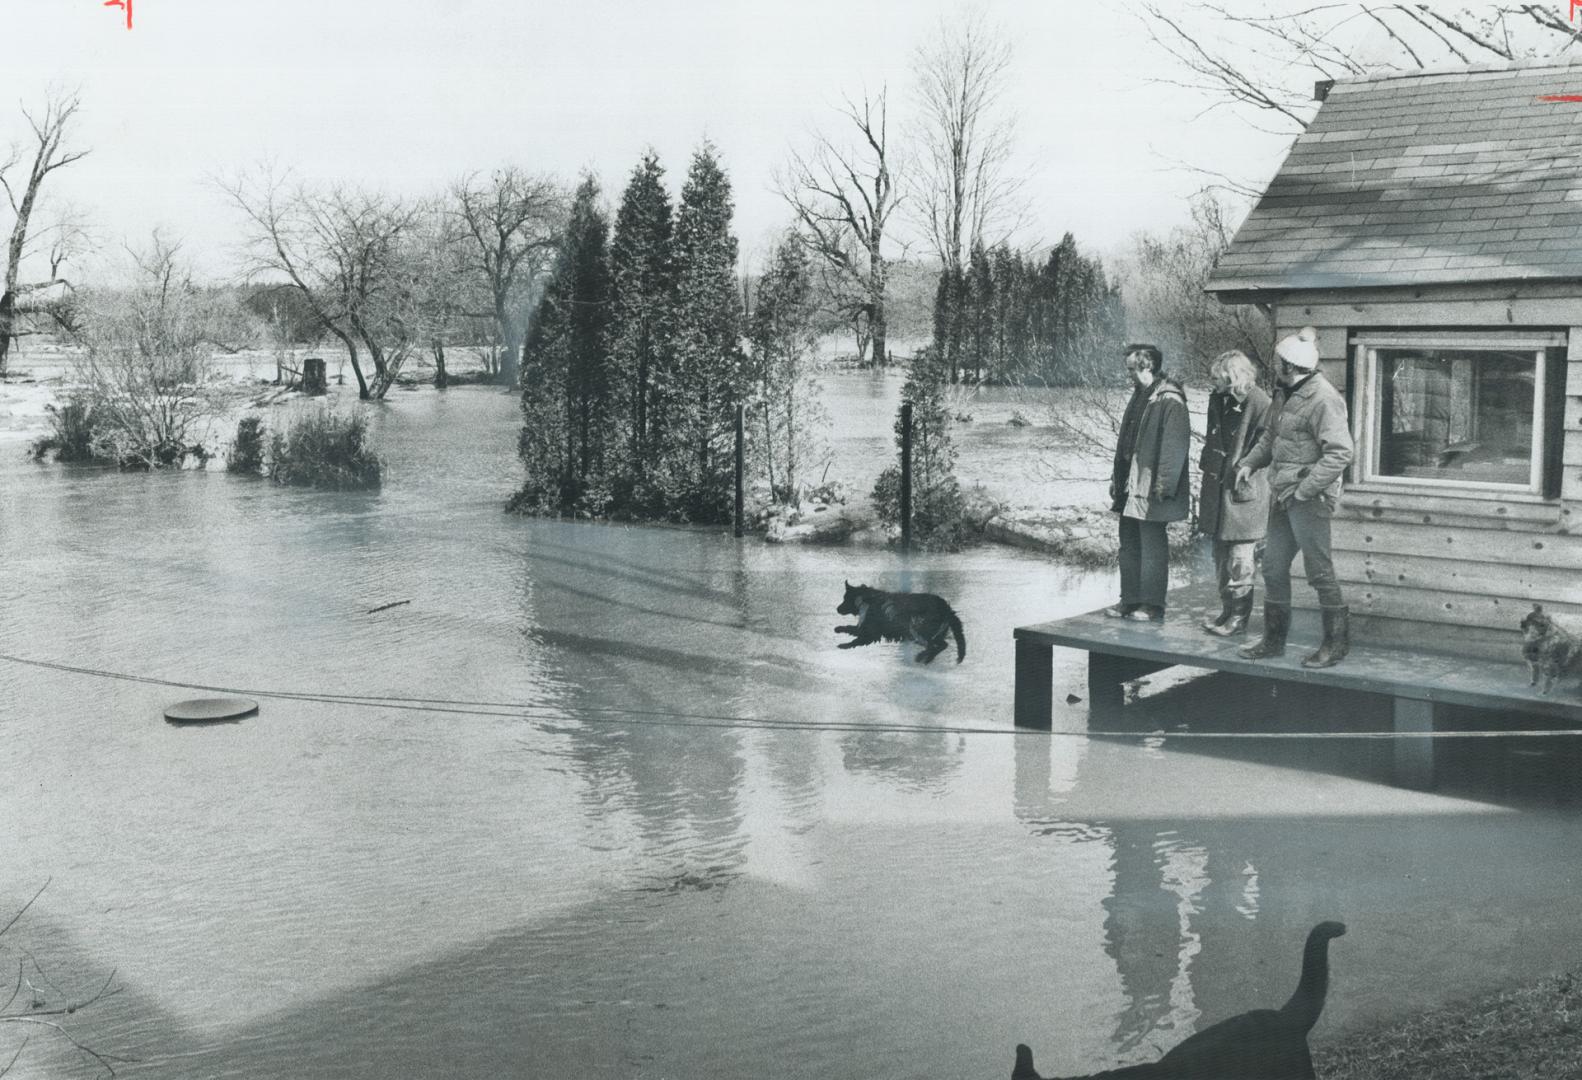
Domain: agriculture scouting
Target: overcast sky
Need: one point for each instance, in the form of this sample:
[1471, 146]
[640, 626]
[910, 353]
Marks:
[408, 94]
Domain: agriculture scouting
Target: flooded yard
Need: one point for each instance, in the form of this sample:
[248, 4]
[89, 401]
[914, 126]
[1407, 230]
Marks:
[607, 801]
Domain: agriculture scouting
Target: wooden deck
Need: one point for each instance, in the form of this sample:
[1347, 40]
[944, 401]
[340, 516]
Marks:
[1419, 682]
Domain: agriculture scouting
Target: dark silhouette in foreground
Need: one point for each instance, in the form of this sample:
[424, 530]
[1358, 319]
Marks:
[1264, 1044]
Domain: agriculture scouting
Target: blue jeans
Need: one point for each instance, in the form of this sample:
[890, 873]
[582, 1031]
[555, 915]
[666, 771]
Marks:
[1299, 526]
[1145, 562]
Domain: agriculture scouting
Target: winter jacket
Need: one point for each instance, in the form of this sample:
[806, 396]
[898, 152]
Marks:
[1126, 442]
[1307, 443]
[1224, 514]
[1157, 489]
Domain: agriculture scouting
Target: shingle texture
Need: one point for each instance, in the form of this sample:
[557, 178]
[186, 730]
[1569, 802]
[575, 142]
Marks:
[1423, 179]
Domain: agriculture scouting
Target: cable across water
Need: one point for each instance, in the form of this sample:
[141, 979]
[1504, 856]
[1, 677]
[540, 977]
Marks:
[547, 713]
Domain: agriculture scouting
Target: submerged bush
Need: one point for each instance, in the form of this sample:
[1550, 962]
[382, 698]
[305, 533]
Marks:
[247, 452]
[71, 434]
[147, 365]
[325, 449]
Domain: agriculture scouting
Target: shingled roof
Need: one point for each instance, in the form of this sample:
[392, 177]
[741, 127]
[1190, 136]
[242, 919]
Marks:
[1467, 175]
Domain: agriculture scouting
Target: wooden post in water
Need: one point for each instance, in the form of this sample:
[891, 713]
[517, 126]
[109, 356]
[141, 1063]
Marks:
[740, 451]
[313, 380]
[906, 476]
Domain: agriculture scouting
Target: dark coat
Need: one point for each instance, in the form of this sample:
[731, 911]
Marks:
[1221, 513]
[1158, 488]
[1126, 442]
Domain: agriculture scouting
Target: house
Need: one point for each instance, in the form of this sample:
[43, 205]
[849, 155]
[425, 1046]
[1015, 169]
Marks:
[1429, 225]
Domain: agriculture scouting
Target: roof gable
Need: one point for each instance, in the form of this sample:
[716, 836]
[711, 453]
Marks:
[1431, 178]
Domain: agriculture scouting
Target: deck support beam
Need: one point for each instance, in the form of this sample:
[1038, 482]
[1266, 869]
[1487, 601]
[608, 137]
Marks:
[1035, 675]
[1414, 756]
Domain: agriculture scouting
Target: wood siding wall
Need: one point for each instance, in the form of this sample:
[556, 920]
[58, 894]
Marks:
[1450, 571]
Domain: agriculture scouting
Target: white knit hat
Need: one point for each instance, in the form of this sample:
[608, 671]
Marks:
[1299, 349]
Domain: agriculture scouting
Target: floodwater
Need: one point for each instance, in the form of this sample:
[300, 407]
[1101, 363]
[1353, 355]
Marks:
[605, 801]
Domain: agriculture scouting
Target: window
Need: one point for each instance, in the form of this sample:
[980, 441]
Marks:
[1465, 410]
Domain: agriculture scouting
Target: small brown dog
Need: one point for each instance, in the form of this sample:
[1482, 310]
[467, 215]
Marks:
[1549, 649]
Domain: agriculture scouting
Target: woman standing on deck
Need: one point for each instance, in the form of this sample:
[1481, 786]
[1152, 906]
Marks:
[1234, 517]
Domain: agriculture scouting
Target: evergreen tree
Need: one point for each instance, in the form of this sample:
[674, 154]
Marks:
[643, 287]
[707, 342]
[1008, 348]
[949, 320]
[785, 417]
[541, 445]
[937, 505]
[564, 369]
[588, 378]
[1063, 270]
[979, 313]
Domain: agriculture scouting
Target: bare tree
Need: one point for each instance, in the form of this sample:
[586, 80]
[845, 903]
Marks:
[148, 378]
[39, 1007]
[966, 193]
[350, 253]
[1166, 303]
[964, 190]
[508, 224]
[1264, 66]
[21, 180]
[843, 199]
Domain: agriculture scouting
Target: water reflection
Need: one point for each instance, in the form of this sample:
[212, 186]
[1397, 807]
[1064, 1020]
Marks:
[705, 837]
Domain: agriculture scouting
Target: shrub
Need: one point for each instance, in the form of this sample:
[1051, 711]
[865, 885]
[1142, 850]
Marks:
[324, 449]
[147, 365]
[71, 435]
[247, 452]
[939, 514]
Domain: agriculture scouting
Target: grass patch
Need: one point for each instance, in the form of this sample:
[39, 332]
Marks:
[1531, 1032]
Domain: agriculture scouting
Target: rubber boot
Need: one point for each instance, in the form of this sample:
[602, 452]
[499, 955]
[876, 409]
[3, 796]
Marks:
[1276, 624]
[1241, 611]
[1337, 639]
[1226, 610]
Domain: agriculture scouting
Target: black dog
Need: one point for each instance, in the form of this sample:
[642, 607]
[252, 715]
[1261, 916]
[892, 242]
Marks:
[891, 616]
[1264, 1044]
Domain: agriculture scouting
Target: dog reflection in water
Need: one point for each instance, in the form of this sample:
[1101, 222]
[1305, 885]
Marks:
[1264, 1044]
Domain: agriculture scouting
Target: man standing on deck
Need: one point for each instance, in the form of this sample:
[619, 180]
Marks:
[1306, 448]
[1149, 486]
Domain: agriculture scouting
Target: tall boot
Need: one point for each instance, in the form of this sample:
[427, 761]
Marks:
[1240, 612]
[1227, 608]
[1276, 624]
[1337, 639]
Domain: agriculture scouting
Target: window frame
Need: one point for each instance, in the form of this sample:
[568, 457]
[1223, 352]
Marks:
[1367, 421]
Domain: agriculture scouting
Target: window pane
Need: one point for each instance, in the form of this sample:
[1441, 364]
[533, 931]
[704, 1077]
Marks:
[1457, 414]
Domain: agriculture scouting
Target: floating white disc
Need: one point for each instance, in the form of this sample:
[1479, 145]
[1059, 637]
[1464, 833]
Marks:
[210, 710]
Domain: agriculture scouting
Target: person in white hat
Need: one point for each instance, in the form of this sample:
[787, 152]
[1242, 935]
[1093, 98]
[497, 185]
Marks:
[1306, 448]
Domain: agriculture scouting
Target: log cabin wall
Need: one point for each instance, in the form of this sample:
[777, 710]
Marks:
[1453, 571]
